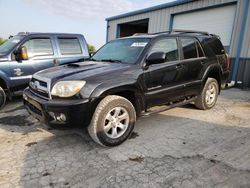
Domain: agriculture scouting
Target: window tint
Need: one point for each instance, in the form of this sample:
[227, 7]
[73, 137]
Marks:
[189, 48]
[39, 47]
[200, 52]
[169, 46]
[216, 46]
[69, 46]
[10, 44]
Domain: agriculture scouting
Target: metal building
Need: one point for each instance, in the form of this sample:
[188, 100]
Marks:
[230, 19]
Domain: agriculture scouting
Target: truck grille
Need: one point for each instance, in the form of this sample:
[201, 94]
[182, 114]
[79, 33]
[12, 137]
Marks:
[39, 88]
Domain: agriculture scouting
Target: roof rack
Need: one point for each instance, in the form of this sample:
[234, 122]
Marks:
[189, 31]
[174, 30]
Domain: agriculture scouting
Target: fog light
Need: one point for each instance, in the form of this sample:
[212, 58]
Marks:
[61, 117]
[25, 97]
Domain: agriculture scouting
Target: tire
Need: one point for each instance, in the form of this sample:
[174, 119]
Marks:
[208, 96]
[2, 98]
[113, 121]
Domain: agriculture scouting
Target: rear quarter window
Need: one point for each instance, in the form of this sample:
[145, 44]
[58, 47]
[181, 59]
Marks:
[216, 46]
[212, 47]
[69, 46]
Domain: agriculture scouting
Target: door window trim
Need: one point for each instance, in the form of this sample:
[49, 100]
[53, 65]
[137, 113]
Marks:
[36, 57]
[68, 37]
[157, 40]
[197, 51]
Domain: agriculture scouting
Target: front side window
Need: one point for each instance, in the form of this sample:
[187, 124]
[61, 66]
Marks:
[189, 48]
[39, 47]
[168, 46]
[122, 50]
[69, 46]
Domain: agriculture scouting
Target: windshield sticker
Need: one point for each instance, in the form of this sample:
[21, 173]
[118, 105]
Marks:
[15, 41]
[139, 44]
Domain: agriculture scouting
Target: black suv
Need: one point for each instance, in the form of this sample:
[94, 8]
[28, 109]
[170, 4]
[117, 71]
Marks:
[126, 78]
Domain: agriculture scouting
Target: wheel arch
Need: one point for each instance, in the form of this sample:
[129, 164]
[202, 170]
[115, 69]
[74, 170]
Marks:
[213, 72]
[129, 92]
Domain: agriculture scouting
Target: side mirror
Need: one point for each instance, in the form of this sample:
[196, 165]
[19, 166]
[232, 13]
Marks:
[156, 58]
[21, 53]
[91, 54]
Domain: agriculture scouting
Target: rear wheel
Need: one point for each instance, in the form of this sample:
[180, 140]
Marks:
[208, 97]
[113, 121]
[2, 98]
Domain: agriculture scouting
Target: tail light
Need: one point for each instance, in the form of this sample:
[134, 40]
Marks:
[227, 61]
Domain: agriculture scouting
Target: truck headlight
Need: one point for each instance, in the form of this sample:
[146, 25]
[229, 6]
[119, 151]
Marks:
[67, 88]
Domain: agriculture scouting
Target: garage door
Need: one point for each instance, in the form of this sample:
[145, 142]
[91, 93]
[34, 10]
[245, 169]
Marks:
[217, 21]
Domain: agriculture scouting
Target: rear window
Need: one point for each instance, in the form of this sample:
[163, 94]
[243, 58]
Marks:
[189, 48]
[69, 46]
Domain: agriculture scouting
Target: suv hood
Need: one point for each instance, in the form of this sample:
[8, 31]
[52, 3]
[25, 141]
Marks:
[82, 71]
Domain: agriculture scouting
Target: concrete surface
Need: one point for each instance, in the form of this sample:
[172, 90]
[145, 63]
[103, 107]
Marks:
[182, 147]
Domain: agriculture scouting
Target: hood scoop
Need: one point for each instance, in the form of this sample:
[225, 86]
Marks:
[73, 65]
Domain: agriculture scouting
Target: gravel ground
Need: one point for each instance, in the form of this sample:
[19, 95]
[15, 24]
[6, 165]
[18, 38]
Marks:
[182, 147]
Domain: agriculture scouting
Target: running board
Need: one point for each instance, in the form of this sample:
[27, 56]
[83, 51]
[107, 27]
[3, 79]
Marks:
[164, 108]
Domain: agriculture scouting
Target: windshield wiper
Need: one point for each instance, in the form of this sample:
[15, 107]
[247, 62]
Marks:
[111, 60]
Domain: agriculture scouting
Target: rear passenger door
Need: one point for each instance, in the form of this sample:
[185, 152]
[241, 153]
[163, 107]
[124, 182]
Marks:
[71, 49]
[193, 61]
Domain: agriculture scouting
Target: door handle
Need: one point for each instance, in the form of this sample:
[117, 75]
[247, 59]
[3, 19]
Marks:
[178, 66]
[55, 62]
[203, 62]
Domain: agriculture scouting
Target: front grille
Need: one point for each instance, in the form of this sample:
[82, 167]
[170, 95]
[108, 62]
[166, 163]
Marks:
[39, 93]
[39, 88]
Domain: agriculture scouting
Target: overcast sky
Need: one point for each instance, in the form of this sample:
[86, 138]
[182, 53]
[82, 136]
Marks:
[74, 16]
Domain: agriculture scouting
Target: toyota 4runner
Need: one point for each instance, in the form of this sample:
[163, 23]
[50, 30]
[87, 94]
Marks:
[126, 78]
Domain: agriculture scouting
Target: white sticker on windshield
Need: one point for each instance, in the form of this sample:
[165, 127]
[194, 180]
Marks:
[139, 44]
[15, 41]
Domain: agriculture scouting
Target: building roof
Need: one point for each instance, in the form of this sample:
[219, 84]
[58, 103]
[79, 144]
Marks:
[145, 10]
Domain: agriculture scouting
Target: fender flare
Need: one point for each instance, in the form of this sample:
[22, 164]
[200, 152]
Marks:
[215, 71]
[104, 90]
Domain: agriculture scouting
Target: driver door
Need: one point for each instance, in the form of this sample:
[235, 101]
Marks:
[40, 56]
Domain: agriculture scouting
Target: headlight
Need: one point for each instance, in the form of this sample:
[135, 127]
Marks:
[67, 88]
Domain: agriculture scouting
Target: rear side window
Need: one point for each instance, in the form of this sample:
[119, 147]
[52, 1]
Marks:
[189, 48]
[168, 46]
[69, 46]
[39, 47]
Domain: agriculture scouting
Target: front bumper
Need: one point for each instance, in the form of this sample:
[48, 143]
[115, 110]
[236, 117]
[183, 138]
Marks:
[62, 113]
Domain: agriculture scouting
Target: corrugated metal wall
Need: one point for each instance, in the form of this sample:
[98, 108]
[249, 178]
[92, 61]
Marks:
[159, 20]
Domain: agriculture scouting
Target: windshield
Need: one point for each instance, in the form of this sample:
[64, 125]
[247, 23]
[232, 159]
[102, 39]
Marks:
[122, 50]
[9, 44]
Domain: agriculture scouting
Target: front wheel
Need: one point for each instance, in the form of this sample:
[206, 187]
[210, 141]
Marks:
[113, 121]
[2, 98]
[208, 97]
